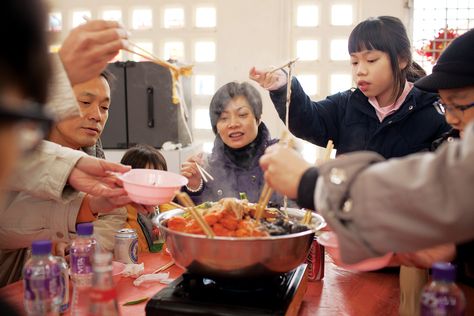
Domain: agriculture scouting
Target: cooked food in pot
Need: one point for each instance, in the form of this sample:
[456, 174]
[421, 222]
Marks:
[235, 218]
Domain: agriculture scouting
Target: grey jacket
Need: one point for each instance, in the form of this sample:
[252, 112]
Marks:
[401, 204]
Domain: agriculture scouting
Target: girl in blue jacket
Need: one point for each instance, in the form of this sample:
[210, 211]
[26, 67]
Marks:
[385, 113]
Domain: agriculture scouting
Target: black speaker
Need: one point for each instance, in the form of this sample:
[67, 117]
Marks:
[141, 109]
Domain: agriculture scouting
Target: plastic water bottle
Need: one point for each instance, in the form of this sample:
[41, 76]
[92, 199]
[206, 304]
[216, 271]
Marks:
[64, 279]
[41, 280]
[103, 294]
[442, 297]
[81, 253]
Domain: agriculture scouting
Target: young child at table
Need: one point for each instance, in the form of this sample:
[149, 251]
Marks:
[148, 157]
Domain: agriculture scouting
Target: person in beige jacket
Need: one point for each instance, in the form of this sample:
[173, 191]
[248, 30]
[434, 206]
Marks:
[400, 205]
[52, 171]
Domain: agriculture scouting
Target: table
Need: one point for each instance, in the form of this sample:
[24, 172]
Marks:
[341, 292]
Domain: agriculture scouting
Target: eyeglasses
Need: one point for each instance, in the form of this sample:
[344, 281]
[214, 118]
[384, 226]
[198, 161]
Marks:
[456, 110]
[30, 121]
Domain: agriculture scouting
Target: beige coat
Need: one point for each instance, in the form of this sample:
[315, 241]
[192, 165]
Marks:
[39, 204]
[402, 204]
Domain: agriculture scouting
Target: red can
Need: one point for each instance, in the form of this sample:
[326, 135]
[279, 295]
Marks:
[315, 261]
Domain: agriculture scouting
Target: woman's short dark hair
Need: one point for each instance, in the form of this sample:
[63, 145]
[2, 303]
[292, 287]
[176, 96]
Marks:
[387, 34]
[24, 60]
[142, 155]
[227, 92]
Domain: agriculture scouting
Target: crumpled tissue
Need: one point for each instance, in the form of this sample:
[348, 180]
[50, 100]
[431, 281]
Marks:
[162, 277]
[133, 270]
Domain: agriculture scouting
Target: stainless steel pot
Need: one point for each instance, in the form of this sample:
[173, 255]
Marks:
[230, 257]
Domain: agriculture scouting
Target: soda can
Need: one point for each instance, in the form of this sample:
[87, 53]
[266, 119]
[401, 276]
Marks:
[126, 246]
[315, 261]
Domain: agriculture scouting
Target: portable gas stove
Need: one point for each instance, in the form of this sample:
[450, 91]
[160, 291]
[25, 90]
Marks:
[197, 295]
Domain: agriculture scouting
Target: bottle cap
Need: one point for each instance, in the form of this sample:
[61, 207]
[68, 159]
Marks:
[41, 247]
[85, 229]
[443, 271]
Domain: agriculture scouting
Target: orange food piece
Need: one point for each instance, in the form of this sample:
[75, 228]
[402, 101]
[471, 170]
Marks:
[193, 227]
[212, 218]
[230, 223]
[220, 230]
[242, 233]
[177, 223]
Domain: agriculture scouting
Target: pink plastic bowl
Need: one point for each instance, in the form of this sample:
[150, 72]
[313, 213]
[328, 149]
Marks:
[152, 187]
[117, 269]
[329, 240]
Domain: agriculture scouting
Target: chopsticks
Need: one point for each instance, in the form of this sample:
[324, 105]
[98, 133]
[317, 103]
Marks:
[307, 218]
[267, 192]
[325, 156]
[288, 64]
[176, 205]
[184, 199]
[163, 267]
[327, 151]
[263, 201]
[204, 173]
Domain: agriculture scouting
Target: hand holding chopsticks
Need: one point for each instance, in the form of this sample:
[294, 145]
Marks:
[204, 174]
[185, 200]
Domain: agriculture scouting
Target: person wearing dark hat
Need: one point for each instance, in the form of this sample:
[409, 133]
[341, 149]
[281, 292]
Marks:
[241, 139]
[401, 205]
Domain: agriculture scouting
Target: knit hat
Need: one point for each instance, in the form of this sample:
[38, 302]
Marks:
[227, 92]
[454, 68]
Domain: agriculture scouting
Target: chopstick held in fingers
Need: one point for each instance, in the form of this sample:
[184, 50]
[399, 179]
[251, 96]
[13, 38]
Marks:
[202, 170]
[203, 176]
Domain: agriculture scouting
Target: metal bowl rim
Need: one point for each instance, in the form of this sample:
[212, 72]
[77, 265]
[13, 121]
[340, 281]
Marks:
[165, 215]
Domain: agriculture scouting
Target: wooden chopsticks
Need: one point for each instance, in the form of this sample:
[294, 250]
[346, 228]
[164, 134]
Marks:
[204, 174]
[288, 64]
[263, 201]
[163, 267]
[184, 199]
[325, 156]
[267, 192]
[307, 218]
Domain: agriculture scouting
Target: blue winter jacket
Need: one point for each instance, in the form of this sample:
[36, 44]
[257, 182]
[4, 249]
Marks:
[350, 121]
[231, 179]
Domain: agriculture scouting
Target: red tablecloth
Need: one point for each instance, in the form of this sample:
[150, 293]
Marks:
[341, 292]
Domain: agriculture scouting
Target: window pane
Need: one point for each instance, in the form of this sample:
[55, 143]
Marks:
[206, 17]
[341, 14]
[340, 82]
[205, 51]
[307, 16]
[142, 19]
[309, 83]
[204, 84]
[307, 49]
[173, 18]
[78, 17]
[201, 119]
[148, 46]
[339, 50]
[55, 21]
[112, 15]
[174, 50]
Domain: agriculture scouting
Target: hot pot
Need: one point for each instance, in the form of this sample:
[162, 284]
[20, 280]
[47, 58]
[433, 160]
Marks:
[231, 257]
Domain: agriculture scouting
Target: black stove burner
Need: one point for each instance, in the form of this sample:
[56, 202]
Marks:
[196, 295]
